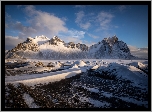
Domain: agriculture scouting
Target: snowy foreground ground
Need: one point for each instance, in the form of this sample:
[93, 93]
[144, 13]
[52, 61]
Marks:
[92, 83]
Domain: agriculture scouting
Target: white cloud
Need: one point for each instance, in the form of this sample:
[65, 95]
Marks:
[101, 21]
[24, 31]
[122, 8]
[104, 19]
[64, 19]
[30, 10]
[18, 6]
[76, 37]
[45, 22]
[88, 43]
[80, 6]
[73, 33]
[106, 34]
[139, 52]
[81, 22]
[85, 26]
[79, 17]
[91, 14]
[21, 34]
[116, 26]
[77, 40]
[8, 18]
[11, 42]
[39, 23]
[133, 48]
[93, 36]
[72, 36]
[72, 39]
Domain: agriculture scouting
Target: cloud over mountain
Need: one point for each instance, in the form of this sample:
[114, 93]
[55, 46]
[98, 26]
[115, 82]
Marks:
[139, 52]
[40, 22]
[79, 20]
[11, 42]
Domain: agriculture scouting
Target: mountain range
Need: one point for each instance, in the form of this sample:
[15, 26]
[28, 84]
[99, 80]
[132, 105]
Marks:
[41, 47]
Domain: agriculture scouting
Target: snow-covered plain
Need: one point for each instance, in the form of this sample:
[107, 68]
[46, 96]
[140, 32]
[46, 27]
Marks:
[77, 66]
[128, 70]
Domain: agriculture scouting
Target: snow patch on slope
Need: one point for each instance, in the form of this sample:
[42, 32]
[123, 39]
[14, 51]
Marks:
[96, 103]
[139, 78]
[40, 39]
[29, 101]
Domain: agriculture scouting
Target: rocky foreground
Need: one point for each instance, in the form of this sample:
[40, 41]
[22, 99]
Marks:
[121, 84]
[84, 90]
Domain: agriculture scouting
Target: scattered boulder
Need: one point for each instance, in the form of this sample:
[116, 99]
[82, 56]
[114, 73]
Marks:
[39, 64]
[50, 64]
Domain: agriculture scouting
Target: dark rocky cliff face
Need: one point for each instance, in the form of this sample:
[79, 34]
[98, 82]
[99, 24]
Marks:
[111, 48]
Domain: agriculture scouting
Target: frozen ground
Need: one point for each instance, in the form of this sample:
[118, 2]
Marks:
[86, 83]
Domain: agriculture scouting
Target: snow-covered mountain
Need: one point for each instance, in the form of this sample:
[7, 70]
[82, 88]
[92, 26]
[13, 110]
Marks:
[44, 48]
[55, 48]
[110, 48]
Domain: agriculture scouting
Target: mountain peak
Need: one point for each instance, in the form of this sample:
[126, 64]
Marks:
[55, 40]
[110, 48]
[41, 37]
[111, 40]
[56, 37]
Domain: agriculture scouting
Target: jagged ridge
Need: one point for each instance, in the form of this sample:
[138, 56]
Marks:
[55, 48]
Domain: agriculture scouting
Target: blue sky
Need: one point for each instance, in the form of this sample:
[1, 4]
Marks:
[87, 24]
